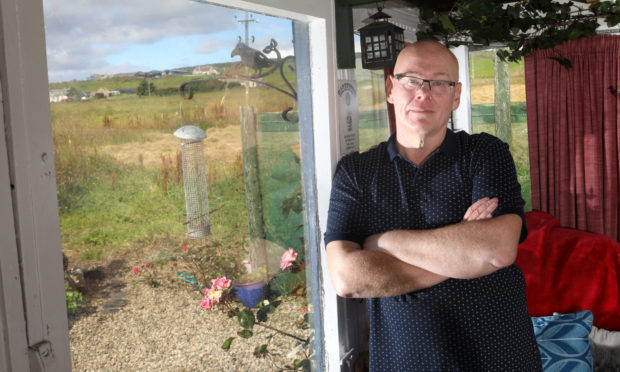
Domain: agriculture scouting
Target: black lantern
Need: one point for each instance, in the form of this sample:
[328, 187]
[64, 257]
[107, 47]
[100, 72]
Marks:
[381, 42]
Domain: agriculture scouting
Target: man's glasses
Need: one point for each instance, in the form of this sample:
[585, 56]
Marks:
[414, 83]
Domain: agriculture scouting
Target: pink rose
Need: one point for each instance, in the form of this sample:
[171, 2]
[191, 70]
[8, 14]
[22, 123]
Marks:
[215, 296]
[206, 304]
[287, 259]
[220, 283]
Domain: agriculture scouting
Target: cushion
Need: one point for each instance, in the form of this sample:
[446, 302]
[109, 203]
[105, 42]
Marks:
[605, 350]
[564, 341]
[568, 270]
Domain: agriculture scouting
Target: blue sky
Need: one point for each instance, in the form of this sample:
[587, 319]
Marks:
[86, 37]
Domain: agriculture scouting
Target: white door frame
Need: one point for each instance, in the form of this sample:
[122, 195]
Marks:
[34, 319]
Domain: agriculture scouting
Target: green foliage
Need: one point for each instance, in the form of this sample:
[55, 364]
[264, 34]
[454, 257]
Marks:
[227, 343]
[281, 186]
[246, 318]
[74, 300]
[285, 283]
[260, 351]
[145, 88]
[522, 26]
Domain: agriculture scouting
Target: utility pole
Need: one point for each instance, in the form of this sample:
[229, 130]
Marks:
[256, 226]
[246, 23]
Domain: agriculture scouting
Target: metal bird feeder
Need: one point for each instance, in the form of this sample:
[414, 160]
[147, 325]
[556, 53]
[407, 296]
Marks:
[195, 180]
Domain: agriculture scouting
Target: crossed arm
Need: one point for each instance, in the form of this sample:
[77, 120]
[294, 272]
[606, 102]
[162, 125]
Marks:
[401, 261]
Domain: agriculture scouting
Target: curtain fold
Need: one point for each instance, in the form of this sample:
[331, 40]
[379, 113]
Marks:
[573, 115]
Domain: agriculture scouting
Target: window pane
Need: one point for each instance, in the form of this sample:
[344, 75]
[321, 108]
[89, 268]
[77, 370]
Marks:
[482, 75]
[373, 123]
[136, 178]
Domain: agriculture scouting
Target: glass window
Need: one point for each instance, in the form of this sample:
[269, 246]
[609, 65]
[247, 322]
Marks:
[148, 294]
[482, 79]
[373, 122]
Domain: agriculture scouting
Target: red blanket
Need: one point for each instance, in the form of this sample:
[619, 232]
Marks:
[568, 270]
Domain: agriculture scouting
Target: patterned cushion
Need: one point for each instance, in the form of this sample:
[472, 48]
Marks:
[564, 341]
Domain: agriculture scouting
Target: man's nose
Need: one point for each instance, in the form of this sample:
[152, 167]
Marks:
[425, 90]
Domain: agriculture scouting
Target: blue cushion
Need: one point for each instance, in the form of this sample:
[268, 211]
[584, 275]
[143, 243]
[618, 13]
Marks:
[564, 341]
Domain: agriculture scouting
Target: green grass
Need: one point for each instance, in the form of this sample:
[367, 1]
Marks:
[520, 153]
[481, 65]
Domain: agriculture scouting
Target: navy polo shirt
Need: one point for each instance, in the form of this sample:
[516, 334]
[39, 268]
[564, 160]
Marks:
[477, 324]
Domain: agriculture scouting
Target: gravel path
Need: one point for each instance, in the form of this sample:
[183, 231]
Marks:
[142, 328]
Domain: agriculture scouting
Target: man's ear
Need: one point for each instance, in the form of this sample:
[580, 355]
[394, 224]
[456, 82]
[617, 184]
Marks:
[457, 97]
[389, 84]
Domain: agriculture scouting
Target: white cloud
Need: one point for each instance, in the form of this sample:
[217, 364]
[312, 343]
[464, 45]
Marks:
[82, 34]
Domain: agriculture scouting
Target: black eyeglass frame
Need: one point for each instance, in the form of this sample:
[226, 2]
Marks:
[430, 87]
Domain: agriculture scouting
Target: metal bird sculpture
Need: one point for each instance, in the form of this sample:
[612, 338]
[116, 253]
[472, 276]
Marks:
[252, 58]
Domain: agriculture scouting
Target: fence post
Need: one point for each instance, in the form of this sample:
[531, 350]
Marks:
[502, 100]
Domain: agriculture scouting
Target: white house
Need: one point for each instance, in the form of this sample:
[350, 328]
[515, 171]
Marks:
[205, 70]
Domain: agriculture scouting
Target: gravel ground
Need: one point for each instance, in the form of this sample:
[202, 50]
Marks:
[138, 327]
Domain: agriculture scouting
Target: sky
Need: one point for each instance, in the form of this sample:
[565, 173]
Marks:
[87, 37]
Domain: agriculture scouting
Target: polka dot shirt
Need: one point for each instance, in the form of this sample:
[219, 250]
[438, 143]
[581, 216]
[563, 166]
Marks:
[458, 325]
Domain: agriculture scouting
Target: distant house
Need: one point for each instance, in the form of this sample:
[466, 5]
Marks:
[59, 95]
[101, 93]
[205, 70]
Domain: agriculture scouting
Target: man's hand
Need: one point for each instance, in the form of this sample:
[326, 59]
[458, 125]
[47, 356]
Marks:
[481, 209]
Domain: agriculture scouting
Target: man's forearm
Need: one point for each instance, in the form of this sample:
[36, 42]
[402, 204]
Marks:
[360, 273]
[465, 250]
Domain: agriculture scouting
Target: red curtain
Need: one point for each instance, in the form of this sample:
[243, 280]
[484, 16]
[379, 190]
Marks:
[573, 115]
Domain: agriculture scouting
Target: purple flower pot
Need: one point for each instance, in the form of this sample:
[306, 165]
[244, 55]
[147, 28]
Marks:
[250, 293]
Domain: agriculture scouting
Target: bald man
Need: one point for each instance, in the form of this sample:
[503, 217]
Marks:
[426, 227]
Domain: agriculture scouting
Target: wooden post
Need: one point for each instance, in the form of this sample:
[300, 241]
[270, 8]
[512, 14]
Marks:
[258, 252]
[502, 100]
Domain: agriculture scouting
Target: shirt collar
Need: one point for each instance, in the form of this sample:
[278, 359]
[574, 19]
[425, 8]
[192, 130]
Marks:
[448, 146]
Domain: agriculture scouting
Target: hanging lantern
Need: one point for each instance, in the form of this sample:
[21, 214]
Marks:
[381, 42]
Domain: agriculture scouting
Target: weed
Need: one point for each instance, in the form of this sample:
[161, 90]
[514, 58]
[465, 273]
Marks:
[210, 258]
[107, 123]
[92, 254]
[95, 238]
[74, 300]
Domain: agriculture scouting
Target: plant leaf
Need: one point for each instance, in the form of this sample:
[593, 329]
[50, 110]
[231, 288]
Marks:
[260, 351]
[246, 333]
[246, 319]
[261, 315]
[446, 23]
[226, 344]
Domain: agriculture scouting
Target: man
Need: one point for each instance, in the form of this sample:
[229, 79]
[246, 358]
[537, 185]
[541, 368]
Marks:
[426, 227]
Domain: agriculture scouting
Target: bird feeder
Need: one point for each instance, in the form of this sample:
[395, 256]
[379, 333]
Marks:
[195, 180]
[381, 42]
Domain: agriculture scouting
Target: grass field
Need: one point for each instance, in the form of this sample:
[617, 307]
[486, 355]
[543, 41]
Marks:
[118, 168]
